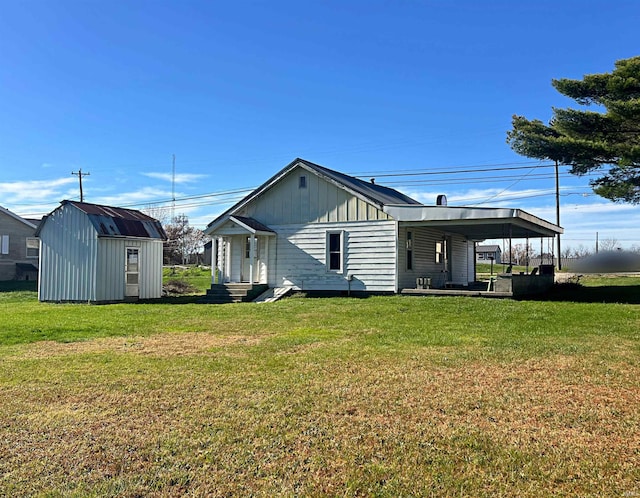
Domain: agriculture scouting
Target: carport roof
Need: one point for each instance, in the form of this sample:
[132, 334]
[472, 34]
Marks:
[475, 223]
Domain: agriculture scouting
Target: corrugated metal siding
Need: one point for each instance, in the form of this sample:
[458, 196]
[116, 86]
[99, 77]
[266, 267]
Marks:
[424, 258]
[111, 262]
[369, 255]
[151, 270]
[319, 202]
[111, 268]
[67, 257]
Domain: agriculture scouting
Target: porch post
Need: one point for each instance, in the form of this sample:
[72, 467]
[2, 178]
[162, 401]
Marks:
[252, 257]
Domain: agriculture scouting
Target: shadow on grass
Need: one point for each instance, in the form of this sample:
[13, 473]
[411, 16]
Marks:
[185, 299]
[624, 294]
[18, 285]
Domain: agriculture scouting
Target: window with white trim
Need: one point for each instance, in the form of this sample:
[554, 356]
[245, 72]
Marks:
[302, 181]
[4, 244]
[335, 252]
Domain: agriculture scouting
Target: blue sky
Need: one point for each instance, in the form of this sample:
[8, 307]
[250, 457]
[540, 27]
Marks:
[237, 90]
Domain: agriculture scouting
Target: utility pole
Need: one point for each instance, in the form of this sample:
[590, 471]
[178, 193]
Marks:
[173, 190]
[558, 214]
[80, 174]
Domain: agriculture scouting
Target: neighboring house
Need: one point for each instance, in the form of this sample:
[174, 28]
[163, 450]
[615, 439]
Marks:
[94, 253]
[314, 229]
[19, 247]
[488, 253]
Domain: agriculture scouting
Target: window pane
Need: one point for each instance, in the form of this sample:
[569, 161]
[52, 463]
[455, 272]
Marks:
[132, 260]
[334, 261]
[334, 242]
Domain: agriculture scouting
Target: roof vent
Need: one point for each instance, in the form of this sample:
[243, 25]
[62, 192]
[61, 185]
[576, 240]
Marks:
[373, 180]
[441, 200]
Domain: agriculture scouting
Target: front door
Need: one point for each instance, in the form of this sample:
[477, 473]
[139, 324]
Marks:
[246, 260]
[131, 272]
[448, 258]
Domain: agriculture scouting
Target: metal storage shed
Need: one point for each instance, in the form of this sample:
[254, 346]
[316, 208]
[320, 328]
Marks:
[95, 253]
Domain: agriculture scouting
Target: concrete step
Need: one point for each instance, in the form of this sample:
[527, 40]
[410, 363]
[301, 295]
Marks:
[232, 293]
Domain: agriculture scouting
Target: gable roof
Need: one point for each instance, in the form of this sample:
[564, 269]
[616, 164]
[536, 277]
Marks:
[111, 221]
[488, 248]
[29, 223]
[376, 194]
[372, 193]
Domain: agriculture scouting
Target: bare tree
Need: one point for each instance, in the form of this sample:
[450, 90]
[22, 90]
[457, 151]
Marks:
[184, 242]
[580, 252]
[160, 213]
[520, 254]
[608, 245]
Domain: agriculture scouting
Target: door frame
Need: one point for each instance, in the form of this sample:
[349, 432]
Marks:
[132, 273]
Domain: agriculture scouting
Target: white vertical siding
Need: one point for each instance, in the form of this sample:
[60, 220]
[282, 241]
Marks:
[111, 265]
[299, 258]
[320, 202]
[68, 257]
[111, 268]
[151, 269]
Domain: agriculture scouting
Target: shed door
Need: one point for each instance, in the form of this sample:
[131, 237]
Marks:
[132, 268]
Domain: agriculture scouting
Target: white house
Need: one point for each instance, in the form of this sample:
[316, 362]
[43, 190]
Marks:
[94, 253]
[314, 229]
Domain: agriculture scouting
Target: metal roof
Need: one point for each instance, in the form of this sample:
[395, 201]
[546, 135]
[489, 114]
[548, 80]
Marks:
[487, 248]
[379, 194]
[476, 223]
[120, 222]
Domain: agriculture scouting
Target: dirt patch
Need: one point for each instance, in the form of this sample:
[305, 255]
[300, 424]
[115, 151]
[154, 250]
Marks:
[165, 345]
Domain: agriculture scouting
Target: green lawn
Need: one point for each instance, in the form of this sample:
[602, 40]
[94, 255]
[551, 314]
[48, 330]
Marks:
[385, 396]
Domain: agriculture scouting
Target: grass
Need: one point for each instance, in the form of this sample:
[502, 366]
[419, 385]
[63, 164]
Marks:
[385, 396]
[186, 279]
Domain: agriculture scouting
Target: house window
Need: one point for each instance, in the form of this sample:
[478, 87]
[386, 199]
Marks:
[4, 245]
[409, 250]
[334, 251]
[33, 247]
[302, 181]
[247, 248]
[440, 252]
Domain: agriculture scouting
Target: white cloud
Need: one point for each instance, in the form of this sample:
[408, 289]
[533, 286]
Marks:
[179, 178]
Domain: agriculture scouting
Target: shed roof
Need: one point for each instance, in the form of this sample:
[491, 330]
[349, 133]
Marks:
[488, 248]
[111, 221]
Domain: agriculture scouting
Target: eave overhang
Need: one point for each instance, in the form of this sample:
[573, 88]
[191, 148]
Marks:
[476, 223]
[241, 226]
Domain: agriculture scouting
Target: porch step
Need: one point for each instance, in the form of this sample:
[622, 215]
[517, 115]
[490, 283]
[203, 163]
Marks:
[232, 293]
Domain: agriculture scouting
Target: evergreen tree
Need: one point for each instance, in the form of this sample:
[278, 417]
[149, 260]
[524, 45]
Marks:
[607, 142]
